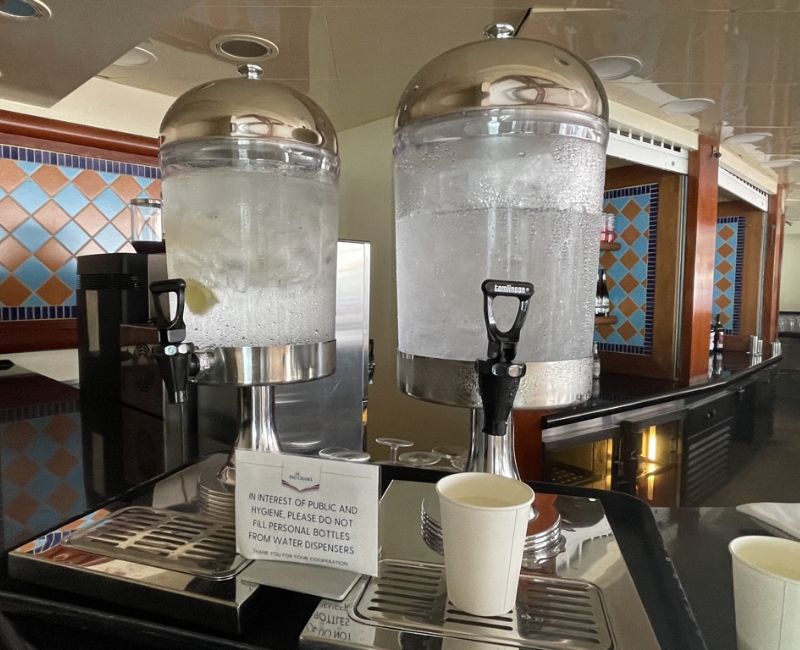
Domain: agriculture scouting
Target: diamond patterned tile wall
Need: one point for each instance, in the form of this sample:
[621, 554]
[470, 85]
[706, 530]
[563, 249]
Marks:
[41, 473]
[728, 268]
[55, 207]
[631, 269]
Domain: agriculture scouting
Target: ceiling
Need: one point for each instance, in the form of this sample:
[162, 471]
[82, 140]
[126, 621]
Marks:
[354, 57]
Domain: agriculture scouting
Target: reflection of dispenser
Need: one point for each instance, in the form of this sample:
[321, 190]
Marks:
[499, 154]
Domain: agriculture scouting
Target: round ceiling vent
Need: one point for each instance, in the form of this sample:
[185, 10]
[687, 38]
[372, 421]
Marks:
[243, 47]
[24, 9]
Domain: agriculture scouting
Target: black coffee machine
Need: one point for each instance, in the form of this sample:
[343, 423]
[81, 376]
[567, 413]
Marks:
[121, 389]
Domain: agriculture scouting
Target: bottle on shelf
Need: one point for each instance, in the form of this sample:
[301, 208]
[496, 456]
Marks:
[717, 336]
[595, 362]
[602, 305]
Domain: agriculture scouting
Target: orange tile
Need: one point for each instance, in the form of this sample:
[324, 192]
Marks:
[629, 283]
[90, 183]
[10, 175]
[50, 179]
[52, 217]
[92, 248]
[61, 463]
[127, 247]
[629, 259]
[20, 471]
[126, 188]
[54, 292]
[12, 253]
[725, 250]
[91, 219]
[18, 434]
[154, 189]
[11, 213]
[53, 255]
[63, 499]
[60, 428]
[12, 292]
[627, 331]
[123, 223]
[21, 508]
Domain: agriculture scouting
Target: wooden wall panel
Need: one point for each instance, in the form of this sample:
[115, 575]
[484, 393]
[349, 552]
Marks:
[700, 246]
[772, 267]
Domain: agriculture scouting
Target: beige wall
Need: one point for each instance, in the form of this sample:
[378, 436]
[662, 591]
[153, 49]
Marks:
[790, 271]
[106, 105]
[367, 213]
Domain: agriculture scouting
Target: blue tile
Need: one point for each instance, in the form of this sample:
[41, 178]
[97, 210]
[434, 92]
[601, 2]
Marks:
[3, 231]
[5, 151]
[30, 196]
[69, 172]
[72, 236]
[110, 239]
[33, 273]
[71, 200]
[4, 273]
[14, 153]
[2, 192]
[31, 235]
[34, 301]
[68, 273]
[28, 167]
[109, 203]
[144, 183]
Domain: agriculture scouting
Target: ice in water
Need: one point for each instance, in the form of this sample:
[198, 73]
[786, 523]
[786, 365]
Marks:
[258, 251]
[513, 207]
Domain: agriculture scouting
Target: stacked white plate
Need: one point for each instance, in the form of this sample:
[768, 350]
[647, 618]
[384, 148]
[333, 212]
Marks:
[544, 540]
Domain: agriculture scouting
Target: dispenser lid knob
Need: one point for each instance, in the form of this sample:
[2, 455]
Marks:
[499, 30]
[250, 70]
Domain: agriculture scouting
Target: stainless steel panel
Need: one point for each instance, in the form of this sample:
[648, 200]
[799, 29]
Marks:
[316, 414]
[546, 384]
[591, 557]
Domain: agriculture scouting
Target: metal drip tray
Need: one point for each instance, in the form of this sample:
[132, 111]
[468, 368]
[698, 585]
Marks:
[550, 612]
[165, 539]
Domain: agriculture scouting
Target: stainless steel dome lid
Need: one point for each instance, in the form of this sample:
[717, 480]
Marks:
[248, 107]
[502, 72]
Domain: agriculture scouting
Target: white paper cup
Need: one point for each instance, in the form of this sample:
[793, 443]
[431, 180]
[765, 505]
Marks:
[766, 591]
[484, 521]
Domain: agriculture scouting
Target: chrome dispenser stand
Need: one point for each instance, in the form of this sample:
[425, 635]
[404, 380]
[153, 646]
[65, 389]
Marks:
[491, 454]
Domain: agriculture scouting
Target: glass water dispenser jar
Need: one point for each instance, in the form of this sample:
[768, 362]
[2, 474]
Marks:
[499, 165]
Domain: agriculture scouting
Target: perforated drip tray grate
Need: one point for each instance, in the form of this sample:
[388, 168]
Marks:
[165, 539]
[550, 612]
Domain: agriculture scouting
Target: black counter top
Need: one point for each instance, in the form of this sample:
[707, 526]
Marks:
[615, 393]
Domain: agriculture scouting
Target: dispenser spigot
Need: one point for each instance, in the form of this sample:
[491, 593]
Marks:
[498, 375]
[176, 359]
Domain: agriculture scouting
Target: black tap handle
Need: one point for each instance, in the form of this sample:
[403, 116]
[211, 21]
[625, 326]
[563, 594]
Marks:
[170, 330]
[498, 375]
[503, 344]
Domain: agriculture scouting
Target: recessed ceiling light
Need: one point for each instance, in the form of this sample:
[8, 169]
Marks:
[780, 162]
[688, 106]
[609, 68]
[748, 138]
[136, 56]
[243, 47]
[24, 9]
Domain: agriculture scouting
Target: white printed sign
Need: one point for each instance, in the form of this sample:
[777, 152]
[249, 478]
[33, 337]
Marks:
[308, 510]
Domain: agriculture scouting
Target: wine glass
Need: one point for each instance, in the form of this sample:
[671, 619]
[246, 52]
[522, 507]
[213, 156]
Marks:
[420, 458]
[394, 444]
[351, 456]
[328, 452]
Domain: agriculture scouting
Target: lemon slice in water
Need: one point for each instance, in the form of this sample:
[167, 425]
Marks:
[199, 298]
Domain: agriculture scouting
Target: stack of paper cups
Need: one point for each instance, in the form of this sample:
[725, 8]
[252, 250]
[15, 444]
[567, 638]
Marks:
[766, 590]
[484, 523]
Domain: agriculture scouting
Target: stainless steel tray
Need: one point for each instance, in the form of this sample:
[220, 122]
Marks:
[166, 539]
[549, 612]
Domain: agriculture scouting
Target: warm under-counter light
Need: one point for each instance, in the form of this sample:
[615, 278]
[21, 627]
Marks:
[748, 138]
[688, 106]
[609, 68]
[24, 10]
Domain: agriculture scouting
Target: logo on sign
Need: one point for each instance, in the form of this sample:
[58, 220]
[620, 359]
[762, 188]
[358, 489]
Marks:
[300, 481]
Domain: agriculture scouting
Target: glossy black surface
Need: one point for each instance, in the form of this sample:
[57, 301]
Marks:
[616, 393]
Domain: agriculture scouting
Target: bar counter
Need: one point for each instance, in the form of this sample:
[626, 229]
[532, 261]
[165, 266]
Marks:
[53, 471]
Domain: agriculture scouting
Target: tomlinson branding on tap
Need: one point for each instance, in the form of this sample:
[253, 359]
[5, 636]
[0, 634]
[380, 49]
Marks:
[507, 288]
